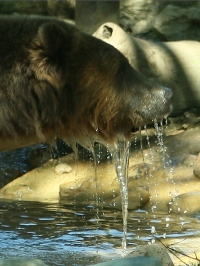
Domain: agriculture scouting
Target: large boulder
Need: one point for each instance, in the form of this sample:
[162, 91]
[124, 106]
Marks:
[172, 64]
[155, 20]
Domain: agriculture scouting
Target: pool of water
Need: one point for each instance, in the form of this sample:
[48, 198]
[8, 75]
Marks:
[59, 234]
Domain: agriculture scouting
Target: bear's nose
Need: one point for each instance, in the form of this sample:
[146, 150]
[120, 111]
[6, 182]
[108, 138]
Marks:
[167, 93]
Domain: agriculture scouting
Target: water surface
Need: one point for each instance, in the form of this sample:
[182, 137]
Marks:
[64, 235]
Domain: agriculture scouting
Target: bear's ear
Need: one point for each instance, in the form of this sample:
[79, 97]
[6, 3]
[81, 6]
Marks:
[47, 52]
[52, 38]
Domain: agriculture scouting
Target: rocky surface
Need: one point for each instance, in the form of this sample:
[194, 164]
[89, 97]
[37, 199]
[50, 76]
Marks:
[187, 203]
[21, 262]
[64, 9]
[197, 166]
[161, 20]
[17, 162]
[149, 19]
[151, 255]
[153, 251]
[160, 176]
[138, 261]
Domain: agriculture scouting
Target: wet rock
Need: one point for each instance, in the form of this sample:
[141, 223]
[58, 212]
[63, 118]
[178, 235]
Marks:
[40, 184]
[190, 160]
[154, 251]
[108, 193]
[62, 168]
[8, 174]
[21, 262]
[145, 170]
[197, 166]
[147, 176]
[187, 203]
[137, 261]
[15, 163]
[37, 155]
[139, 171]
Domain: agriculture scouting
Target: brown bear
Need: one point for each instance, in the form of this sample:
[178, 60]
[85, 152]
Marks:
[58, 82]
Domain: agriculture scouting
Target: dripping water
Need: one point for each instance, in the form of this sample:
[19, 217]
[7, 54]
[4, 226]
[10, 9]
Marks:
[152, 158]
[147, 173]
[167, 162]
[90, 153]
[160, 143]
[162, 148]
[96, 161]
[121, 163]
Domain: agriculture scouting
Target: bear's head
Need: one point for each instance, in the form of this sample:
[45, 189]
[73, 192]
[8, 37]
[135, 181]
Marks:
[100, 96]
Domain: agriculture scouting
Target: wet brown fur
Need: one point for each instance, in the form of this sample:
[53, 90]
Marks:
[56, 82]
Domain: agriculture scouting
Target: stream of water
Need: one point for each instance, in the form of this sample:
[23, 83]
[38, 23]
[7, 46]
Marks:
[121, 162]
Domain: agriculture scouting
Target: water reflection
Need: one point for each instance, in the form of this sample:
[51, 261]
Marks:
[63, 235]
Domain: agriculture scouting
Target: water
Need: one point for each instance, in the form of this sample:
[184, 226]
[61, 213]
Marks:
[72, 235]
[121, 162]
[166, 161]
[61, 235]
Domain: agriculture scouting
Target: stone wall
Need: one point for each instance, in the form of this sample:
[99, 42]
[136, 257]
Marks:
[156, 20]
[161, 20]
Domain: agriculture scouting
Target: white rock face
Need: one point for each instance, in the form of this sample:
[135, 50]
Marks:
[172, 64]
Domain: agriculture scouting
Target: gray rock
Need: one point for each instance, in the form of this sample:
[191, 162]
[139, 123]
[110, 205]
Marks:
[187, 203]
[189, 160]
[185, 19]
[155, 20]
[137, 261]
[152, 251]
[137, 16]
[197, 166]
[21, 262]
